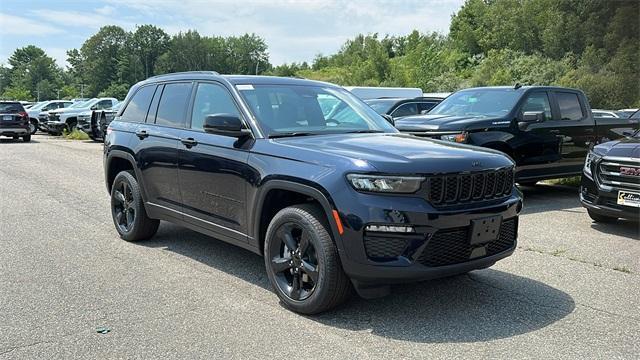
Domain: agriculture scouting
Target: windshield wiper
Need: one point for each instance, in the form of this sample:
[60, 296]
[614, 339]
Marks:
[363, 131]
[290, 134]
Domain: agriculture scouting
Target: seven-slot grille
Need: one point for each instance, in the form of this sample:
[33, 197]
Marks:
[609, 173]
[452, 189]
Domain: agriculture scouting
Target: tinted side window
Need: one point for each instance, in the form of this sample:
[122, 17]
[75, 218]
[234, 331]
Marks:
[405, 110]
[104, 104]
[569, 104]
[426, 106]
[538, 102]
[173, 103]
[211, 99]
[136, 110]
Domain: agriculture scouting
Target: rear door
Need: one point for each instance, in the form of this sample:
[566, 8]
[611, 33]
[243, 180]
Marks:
[156, 144]
[575, 129]
[213, 169]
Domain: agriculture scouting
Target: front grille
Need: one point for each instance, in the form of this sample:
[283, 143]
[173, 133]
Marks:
[608, 173]
[453, 246]
[455, 189]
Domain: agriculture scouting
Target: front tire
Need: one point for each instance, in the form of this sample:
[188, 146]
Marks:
[601, 218]
[26, 138]
[302, 261]
[127, 209]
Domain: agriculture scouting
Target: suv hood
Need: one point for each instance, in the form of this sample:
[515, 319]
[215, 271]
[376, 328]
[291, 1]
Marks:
[389, 153]
[627, 147]
[447, 122]
[68, 110]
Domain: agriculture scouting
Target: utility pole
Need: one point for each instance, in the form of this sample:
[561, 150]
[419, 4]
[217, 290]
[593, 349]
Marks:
[58, 97]
[82, 90]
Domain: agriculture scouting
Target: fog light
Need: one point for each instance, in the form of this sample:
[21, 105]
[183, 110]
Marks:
[390, 228]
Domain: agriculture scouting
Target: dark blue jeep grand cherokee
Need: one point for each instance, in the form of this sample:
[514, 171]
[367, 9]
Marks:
[312, 178]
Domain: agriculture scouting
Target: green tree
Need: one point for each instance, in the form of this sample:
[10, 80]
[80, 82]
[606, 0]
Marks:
[148, 43]
[99, 58]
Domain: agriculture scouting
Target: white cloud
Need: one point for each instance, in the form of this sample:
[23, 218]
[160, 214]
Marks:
[16, 25]
[88, 20]
[106, 10]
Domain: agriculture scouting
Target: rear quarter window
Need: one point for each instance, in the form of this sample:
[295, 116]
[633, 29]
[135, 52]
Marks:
[136, 110]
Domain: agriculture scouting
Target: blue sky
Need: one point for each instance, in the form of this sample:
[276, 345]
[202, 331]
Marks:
[294, 30]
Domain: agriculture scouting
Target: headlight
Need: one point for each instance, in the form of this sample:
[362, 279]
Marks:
[590, 159]
[459, 138]
[387, 184]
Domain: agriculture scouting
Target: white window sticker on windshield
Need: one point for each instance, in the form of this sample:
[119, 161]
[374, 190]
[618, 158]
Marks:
[244, 87]
[473, 100]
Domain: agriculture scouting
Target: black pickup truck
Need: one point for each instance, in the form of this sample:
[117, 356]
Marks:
[548, 131]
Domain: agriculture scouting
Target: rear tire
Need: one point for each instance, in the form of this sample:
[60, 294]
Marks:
[601, 218]
[26, 138]
[127, 209]
[33, 127]
[302, 261]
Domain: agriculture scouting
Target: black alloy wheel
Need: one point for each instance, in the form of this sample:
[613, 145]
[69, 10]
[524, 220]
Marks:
[294, 262]
[127, 209]
[302, 260]
[125, 213]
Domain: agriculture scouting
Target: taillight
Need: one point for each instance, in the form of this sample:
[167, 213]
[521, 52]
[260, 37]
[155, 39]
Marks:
[23, 114]
[109, 130]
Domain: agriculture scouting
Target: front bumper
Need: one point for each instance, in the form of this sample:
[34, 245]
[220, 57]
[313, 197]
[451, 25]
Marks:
[55, 126]
[440, 246]
[603, 200]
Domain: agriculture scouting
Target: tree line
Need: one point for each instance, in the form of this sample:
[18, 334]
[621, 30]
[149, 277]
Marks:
[592, 45]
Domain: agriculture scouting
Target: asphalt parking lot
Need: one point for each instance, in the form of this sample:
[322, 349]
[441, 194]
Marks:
[571, 290]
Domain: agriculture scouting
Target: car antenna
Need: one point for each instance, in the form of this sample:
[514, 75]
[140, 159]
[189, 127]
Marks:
[517, 86]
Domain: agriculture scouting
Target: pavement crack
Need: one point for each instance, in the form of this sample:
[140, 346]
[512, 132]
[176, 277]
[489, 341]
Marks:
[562, 253]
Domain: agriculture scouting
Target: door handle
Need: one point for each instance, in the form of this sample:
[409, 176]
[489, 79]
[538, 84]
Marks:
[189, 142]
[142, 134]
[554, 131]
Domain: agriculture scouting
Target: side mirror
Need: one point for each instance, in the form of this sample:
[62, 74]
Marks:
[424, 112]
[530, 117]
[94, 107]
[389, 118]
[225, 125]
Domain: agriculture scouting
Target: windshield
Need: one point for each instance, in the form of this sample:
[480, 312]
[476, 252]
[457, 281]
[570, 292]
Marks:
[478, 102]
[39, 105]
[82, 104]
[289, 110]
[381, 106]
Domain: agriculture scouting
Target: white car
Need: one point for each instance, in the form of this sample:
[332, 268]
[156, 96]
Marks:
[604, 113]
[35, 111]
[67, 118]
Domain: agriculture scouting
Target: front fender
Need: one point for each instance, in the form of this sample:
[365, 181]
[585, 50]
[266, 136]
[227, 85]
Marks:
[300, 186]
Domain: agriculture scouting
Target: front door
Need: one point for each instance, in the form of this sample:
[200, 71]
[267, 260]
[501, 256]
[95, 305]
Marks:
[213, 169]
[537, 147]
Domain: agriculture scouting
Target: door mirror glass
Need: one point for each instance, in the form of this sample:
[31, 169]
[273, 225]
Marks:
[225, 125]
[389, 118]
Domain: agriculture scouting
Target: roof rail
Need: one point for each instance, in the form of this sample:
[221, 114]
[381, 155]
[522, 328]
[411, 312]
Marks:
[186, 73]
